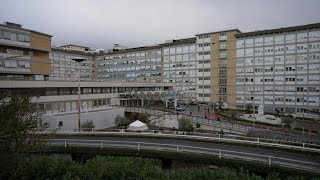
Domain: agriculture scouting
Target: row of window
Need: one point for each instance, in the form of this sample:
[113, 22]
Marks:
[252, 89]
[14, 36]
[300, 48]
[280, 99]
[15, 64]
[312, 78]
[278, 39]
[302, 58]
[299, 68]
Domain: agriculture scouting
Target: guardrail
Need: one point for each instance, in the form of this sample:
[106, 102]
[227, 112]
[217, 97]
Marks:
[270, 160]
[206, 137]
[195, 119]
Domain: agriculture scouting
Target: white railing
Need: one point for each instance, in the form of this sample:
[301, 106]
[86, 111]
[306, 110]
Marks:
[195, 119]
[203, 137]
[221, 153]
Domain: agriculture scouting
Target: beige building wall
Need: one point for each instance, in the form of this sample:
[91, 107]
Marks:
[229, 69]
[40, 63]
[214, 67]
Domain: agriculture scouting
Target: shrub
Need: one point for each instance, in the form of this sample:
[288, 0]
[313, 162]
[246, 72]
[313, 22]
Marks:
[185, 125]
[121, 121]
[87, 125]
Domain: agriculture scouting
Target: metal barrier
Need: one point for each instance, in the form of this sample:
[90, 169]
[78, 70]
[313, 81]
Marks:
[270, 160]
[204, 136]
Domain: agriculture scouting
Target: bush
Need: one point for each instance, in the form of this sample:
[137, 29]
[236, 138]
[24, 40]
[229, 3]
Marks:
[111, 167]
[185, 125]
[87, 125]
[301, 129]
[121, 121]
[143, 117]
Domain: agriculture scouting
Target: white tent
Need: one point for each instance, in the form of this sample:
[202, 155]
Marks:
[138, 126]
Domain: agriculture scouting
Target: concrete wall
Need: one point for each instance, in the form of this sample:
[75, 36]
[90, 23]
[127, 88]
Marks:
[102, 118]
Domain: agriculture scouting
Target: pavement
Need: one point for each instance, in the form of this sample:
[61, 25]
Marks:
[244, 149]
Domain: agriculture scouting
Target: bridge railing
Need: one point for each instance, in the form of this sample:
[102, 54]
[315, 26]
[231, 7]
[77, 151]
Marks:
[221, 153]
[201, 137]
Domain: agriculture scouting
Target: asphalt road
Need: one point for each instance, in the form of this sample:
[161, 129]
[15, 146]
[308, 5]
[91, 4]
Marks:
[244, 149]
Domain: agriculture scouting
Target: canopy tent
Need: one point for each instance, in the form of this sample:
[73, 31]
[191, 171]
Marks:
[137, 126]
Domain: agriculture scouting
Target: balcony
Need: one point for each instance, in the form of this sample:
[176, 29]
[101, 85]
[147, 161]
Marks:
[222, 56]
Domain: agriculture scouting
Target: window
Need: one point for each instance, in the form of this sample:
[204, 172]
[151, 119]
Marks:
[279, 39]
[13, 36]
[268, 40]
[223, 34]
[290, 49]
[290, 38]
[240, 43]
[258, 41]
[279, 49]
[258, 51]
[301, 37]
[249, 52]
[268, 50]
[7, 35]
[249, 42]
[315, 35]
[302, 47]
[240, 61]
[222, 54]
[240, 53]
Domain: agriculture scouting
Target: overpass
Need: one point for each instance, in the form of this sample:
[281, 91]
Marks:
[304, 157]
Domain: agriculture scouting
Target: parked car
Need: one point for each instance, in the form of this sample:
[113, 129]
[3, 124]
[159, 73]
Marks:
[180, 108]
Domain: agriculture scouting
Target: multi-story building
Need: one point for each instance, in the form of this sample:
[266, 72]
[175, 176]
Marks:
[180, 65]
[26, 69]
[57, 101]
[141, 64]
[24, 53]
[216, 66]
[272, 67]
[279, 68]
[64, 68]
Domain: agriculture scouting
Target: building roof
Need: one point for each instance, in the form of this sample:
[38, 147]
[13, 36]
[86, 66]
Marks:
[144, 48]
[59, 49]
[227, 30]
[179, 41]
[74, 45]
[20, 28]
[279, 30]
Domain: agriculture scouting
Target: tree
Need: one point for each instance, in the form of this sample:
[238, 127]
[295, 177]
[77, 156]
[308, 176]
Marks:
[288, 120]
[18, 133]
[249, 107]
[185, 124]
[143, 117]
[121, 121]
[233, 114]
[87, 126]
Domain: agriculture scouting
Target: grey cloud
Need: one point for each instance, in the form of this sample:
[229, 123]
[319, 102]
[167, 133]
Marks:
[99, 23]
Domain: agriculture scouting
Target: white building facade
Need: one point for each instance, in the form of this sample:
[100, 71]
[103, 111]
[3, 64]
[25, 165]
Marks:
[279, 68]
[63, 68]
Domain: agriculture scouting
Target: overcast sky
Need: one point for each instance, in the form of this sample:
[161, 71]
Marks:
[102, 23]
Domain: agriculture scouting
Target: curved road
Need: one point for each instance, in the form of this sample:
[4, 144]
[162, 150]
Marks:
[174, 142]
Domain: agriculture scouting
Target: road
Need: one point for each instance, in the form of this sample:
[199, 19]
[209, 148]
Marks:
[240, 149]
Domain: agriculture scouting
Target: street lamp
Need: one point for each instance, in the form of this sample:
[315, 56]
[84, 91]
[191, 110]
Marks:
[79, 60]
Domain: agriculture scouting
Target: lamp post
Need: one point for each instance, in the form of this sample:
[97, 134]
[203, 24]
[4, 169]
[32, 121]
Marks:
[79, 60]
